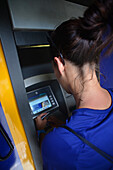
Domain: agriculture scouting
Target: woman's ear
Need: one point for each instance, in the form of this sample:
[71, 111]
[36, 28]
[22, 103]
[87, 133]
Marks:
[60, 65]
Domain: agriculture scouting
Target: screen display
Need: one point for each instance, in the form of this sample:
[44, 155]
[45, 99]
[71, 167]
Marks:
[39, 103]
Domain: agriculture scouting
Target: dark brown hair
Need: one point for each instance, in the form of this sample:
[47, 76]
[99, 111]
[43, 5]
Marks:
[80, 40]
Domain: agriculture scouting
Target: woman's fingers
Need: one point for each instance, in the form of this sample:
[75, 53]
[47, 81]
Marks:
[40, 124]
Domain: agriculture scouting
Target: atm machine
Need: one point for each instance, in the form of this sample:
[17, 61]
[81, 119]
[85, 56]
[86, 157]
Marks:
[28, 87]
[43, 90]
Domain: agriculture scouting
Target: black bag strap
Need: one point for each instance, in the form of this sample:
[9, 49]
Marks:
[105, 155]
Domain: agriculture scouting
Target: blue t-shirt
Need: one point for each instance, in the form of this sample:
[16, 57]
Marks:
[62, 150]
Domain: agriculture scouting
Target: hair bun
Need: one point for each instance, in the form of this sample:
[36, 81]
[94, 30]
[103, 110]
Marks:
[95, 21]
[98, 16]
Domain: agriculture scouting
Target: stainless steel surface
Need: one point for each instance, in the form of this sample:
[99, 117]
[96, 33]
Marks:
[39, 78]
[42, 14]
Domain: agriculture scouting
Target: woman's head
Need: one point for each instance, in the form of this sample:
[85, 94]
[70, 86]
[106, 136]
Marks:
[71, 45]
[80, 40]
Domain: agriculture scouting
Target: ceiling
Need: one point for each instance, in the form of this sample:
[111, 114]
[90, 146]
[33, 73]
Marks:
[82, 2]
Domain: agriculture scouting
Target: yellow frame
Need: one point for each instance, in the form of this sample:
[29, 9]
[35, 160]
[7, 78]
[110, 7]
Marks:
[9, 104]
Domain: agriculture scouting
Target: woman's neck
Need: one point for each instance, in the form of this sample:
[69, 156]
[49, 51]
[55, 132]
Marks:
[93, 96]
[85, 87]
[88, 93]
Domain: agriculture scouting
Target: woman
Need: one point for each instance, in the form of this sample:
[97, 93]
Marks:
[78, 43]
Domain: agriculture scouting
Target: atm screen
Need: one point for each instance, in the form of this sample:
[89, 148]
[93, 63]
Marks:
[40, 103]
[42, 100]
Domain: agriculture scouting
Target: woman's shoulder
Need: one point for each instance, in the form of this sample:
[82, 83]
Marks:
[110, 90]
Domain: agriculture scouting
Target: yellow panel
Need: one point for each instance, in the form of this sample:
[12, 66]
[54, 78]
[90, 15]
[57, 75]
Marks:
[12, 115]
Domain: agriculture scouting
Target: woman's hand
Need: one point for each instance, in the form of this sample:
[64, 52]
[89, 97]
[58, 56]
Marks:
[40, 124]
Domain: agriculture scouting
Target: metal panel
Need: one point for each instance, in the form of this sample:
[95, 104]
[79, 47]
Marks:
[26, 38]
[42, 14]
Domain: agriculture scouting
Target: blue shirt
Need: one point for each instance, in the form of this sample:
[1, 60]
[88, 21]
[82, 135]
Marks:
[62, 150]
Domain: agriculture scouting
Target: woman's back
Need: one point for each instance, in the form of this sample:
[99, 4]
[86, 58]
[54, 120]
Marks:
[62, 150]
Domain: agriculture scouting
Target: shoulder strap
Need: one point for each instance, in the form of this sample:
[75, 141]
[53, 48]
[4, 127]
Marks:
[105, 155]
